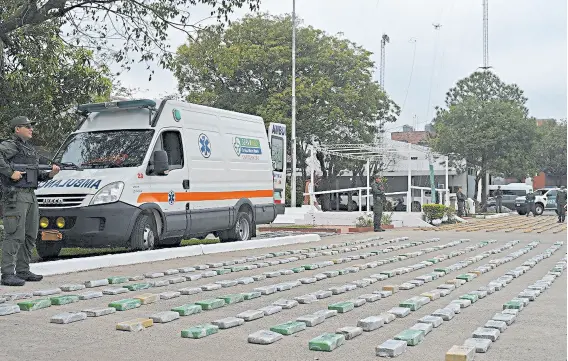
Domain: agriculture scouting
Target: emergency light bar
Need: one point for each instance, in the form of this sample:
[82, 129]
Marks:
[123, 104]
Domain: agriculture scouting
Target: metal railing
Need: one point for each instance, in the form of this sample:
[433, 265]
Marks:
[367, 195]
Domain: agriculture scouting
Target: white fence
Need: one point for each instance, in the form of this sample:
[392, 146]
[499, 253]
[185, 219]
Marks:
[368, 196]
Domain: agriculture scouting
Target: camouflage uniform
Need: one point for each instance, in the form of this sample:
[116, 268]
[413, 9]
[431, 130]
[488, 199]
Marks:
[560, 204]
[499, 199]
[461, 198]
[379, 197]
[20, 210]
[529, 200]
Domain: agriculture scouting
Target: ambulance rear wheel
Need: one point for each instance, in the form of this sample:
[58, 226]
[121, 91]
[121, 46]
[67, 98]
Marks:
[144, 233]
[241, 231]
[48, 250]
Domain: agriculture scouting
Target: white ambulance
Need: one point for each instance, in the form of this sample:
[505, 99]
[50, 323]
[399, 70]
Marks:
[157, 172]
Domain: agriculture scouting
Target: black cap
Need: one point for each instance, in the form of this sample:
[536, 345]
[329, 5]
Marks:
[21, 120]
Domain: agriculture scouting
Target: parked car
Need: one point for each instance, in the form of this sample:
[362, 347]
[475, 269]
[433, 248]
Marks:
[545, 200]
[510, 193]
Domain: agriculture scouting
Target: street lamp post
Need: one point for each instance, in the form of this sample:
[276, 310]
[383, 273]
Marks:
[293, 185]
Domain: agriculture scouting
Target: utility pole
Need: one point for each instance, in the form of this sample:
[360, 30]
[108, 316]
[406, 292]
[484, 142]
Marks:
[293, 183]
[485, 35]
[384, 40]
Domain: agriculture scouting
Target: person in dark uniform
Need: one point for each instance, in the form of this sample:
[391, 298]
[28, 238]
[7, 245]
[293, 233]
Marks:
[561, 204]
[529, 200]
[498, 198]
[20, 207]
[461, 198]
[379, 198]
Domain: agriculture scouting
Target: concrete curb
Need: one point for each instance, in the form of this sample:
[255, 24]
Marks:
[123, 259]
[492, 216]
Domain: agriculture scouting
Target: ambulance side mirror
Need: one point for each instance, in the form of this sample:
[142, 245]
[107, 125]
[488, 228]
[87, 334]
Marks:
[161, 164]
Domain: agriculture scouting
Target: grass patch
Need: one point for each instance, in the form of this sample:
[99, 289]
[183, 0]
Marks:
[193, 242]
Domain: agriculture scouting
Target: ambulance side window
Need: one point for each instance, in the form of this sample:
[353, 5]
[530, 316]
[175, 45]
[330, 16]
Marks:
[170, 141]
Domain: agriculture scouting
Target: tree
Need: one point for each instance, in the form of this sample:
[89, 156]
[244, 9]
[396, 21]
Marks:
[247, 68]
[116, 27]
[44, 79]
[550, 150]
[486, 124]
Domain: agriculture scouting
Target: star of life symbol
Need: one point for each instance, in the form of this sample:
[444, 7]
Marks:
[204, 146]
[171, 197]
[237, 146]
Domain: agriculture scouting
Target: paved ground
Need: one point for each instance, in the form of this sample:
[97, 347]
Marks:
[539, 332]
[514, 223]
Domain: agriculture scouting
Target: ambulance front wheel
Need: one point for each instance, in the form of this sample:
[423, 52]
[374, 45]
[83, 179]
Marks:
[241, 231]
[144, 233]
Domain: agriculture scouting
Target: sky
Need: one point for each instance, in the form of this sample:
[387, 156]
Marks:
[527, 46]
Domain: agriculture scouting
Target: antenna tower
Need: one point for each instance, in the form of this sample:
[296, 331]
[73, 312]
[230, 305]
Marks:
[384, 40]
[485, 35]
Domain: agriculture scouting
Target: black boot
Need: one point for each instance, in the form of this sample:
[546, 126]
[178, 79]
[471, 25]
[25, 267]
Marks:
[28, 276]
[12, 280]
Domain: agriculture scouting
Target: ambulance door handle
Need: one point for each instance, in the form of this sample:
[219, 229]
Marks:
[185, 184]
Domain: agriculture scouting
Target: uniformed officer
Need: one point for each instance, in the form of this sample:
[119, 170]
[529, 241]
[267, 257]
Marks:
[461, 198]
[379, 197]
[20, 208]
[529, 200]
[561, 204]
[498, 198]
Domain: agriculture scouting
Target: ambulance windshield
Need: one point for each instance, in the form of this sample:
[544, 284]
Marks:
[106, 149]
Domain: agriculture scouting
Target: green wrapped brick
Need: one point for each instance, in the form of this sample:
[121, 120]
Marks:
[516, 305]
[444, 270]
[310, 266]
[234, 298]
[326, 342]
[410, 303]
[389, 274]
[289, 328]
[117, 279]
[32, 305]
[298, 269]
[199, 331]
[343, 272]
[238, 268]
[470, 296]
[222, 271]
[341, 307]
[137, 286]
[63, 300]
[278, 254]
[211, 304]
[465, 277]
[250, 295]
[126, 304]
[188, 309]
[412, 337]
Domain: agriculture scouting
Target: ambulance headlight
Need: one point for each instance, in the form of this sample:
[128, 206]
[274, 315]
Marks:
[108, 194]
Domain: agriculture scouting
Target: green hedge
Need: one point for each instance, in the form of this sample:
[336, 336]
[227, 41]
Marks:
[434, 211]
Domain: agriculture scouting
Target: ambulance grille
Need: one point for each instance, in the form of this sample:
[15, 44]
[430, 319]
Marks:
[60, 200]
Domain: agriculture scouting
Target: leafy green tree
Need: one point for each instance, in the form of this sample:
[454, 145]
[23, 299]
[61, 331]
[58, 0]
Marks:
[550, 150]
[247, 68]
[119, 28]
[486, 124]
[44, 79]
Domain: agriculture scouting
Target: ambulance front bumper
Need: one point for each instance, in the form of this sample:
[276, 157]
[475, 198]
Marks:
[99, 226]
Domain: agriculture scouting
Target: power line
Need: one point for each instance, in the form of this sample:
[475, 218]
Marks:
[413, 40]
